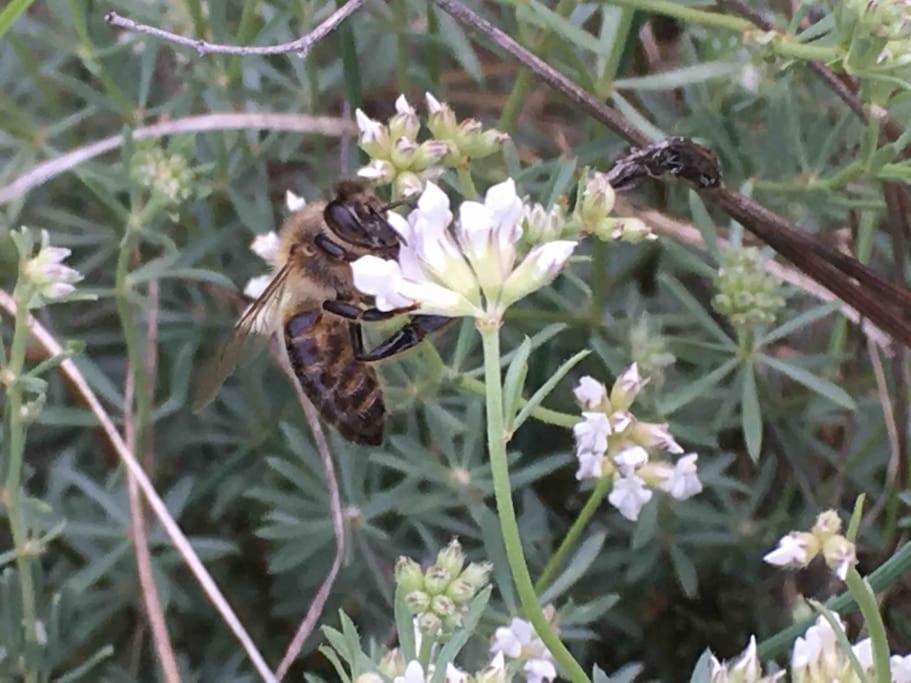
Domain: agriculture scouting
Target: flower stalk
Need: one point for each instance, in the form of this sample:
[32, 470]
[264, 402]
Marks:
[16, 447]
[496, 443]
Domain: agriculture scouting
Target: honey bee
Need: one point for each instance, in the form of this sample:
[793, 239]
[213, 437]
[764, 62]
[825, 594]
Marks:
[312, 303]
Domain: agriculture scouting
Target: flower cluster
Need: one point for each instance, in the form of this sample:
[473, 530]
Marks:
[798, 548]
[398, 159]
[414, 672]
[471, 271]
[45, 274]
[439, 596]
[816, 657]
[612, 443]
[167, 175]
[747, 295]
[520, 641]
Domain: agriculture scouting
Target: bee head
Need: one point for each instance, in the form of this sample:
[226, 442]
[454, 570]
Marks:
[357, 217]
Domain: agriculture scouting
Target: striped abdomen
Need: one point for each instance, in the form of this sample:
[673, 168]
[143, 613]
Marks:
[345, 391]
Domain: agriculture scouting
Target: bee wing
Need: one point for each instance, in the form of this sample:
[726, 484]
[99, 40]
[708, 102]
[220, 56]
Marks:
[249, 335]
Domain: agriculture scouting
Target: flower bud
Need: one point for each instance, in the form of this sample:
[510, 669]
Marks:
[590, 393]
[632, 230]
[539, 268]
[495, 672]
[442, 121]
[405, 122]
[540, 225]
[379, 171]
[47, 272]
[461, 591]
[626, 388]
[403, 152]
[651, 435]
[597, 200]
[408, 184]
[443, 606]
[417, 601]
[827, 523]
[436, 580]
[409, 576]
[840, 555]
[451, 558]
[795, 550]
[453, 621]
[476, 575]
[483, 143]
[429, 624]
[392, 664]
[374, 137]
[429, 153]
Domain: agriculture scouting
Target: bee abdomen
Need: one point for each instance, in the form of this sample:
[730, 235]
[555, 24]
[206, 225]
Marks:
[345, 391]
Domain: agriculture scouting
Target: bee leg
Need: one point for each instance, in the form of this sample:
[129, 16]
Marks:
[407, 337]
[357, 339]
[349, 311]
[333, 250]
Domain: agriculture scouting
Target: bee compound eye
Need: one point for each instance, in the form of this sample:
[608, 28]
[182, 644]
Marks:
[308, 249]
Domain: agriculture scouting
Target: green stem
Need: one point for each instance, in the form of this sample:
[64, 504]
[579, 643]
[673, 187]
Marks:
[866, 600]
[426, 650]
[545, 415]
[572, 536]
[499, 467]
[466, 184]
[16, 449]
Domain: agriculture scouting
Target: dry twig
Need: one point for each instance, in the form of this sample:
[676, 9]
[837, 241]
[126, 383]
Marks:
[292, 123]
[171, 528]
[301, 46]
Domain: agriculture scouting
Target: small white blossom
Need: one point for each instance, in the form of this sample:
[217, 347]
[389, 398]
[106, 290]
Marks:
[631, 459]
[591, 465]
[626, 388]
[629, 496]
[256, 286]
[794, 550]
[495, 672]
[455, 675]
[266, 247]
[682, 481]
[414, 673]
[901, 668]
[591, 434]
[47, 272]
[590, 393]
[294, 202]
[653, 435]
[863, 650]
[521, 641]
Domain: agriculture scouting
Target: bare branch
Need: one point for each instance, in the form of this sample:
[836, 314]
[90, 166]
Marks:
[293, 123]
[338, 525]
[301, 46]
[892, 434]
[171, 528]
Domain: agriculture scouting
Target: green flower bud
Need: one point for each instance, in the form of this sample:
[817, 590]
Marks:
[405, 123]
[436, 580]
[443, 606]
[597, 201]
[482, 144]
[827, 523]
[429, 624]
[840, 554]
[452, 622]
[747, 295]
[442, 121]
[392, 664]
[403, 152]
[417, 601]
[408, 575]
[461, 591]
[429, 153]
[477, 574]
[451, 558]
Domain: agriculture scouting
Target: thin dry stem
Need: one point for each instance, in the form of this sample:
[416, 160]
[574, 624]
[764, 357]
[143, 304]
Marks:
[180, 541]
[301, 46]
[895, 451]
[689, 234]
[293, 123]
[338, 525]
[151, 599]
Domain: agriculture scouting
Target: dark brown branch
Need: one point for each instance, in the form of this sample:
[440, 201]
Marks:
[301, 46]
[886, 308]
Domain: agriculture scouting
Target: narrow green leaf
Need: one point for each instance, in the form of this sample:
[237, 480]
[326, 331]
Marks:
[450, 651]
[405, 626]
[676, 78]
[821, 386]
[685, 571]
[515, 382]
[677, 399]
[542, 16]
[12, 12]
[576, 567]
[702, 316]
[794, 324]
[750, 413]
[856, 517]
[703, 221]
[329, 654]
[545, 389]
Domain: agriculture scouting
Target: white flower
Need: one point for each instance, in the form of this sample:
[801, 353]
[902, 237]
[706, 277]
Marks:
[47, 272]
[631, 459]
[539, 671]
[591, 465]
[379, 276]
[495, 672]
[864, 653]
[794, 550]
[901, 668]
[629, 495]
[590, 393]
[591, 434]
[682, 481]
[256, 286]
[414, 673]
[455, 675]
[293, 202]
[520, 641]
[266, 247]
[818, 650]
[653, 435]
[444, 276]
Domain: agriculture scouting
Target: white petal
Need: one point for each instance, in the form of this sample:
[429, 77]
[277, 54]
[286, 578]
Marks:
[864, 653]
[683, 481]
[630, 459]
[505, 642]
[475, 227]
[629, 495]
[591, 465]
[455, 675]
[57, 290]
[505, 207]
[433, 104]
[399, 224]
[901, 668]
[539, 671]
[538, 268]
[433, 206]
[402, 106]
[589, 392]
[434, 299]
[626, 388]
[790, 552]
[414, 673]
[266, 246]
[382, 279]
[591, 433]
[370, 129]
[293, 202]
[256, 286]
